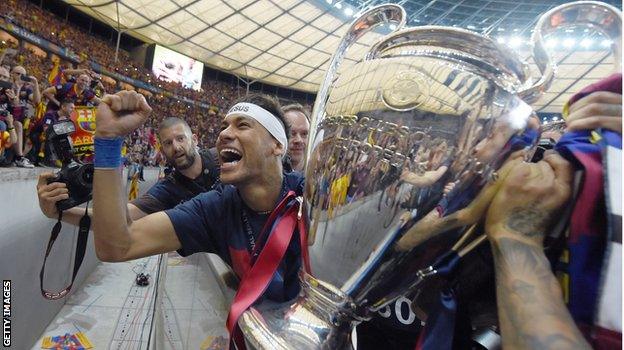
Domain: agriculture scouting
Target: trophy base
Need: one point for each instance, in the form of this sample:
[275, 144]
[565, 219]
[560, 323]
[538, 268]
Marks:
[321, 317]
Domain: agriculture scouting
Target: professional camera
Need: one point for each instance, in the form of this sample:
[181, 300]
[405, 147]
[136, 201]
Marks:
[77, 176]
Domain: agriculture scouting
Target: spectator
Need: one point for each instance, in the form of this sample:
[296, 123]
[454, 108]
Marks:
[79, 91]
[8, 102]
[27, 88]
[91, 49]
[298, 120]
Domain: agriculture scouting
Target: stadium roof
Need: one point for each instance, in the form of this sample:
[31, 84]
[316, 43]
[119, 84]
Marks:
[289, 42]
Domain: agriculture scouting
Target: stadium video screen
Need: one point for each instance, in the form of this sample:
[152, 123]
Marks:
[172, 66]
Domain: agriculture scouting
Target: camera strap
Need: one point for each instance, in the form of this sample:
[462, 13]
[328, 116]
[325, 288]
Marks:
[81, 247]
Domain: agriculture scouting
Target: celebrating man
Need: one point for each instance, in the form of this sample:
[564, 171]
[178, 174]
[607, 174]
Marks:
[225, 221]
[78, 91]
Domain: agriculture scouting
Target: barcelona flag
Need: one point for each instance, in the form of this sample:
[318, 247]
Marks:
[134, 187]
[593, 243]
[82, 139]
[56, 74]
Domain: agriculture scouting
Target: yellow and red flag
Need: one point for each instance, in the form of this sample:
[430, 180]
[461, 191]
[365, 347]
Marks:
[56, 74]
[134, 187]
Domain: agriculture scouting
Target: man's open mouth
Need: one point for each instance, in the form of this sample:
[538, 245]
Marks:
[230, 156]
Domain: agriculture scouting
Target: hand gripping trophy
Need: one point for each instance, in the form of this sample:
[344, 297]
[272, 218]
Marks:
[404, 151]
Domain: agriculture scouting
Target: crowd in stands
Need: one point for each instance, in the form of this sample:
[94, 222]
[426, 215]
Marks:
[89, 47]
[142, 144]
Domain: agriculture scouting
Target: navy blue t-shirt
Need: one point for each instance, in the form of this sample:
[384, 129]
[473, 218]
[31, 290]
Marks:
[177, 188]
[213, 222]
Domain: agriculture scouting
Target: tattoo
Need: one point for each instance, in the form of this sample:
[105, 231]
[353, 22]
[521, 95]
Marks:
[531, 310]
[527, 221]
[525, 259]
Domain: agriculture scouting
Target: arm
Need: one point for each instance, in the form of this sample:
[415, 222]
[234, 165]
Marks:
[49, 194]
[11, 129]
[50, 93]
[427, 179]
[35, 97]
[13, 97]
[531, 311]
[116, 236]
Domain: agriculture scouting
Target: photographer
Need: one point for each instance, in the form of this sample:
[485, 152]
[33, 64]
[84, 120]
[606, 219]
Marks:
[195, 171]
[79, 91]
[9, 100]
[27, 89]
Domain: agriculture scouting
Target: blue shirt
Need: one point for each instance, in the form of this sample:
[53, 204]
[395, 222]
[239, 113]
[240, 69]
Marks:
[177, 188]
[213, 222]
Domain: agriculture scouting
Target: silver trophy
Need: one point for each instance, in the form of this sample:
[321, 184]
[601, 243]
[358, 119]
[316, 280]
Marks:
[404, 152]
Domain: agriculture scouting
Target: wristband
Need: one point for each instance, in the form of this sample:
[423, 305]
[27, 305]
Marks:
[11, 128]
[107, 152]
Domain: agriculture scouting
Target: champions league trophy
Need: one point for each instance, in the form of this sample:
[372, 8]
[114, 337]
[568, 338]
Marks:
[404, 153]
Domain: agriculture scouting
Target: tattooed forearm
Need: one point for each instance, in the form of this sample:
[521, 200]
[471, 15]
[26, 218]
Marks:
[531, 310]
[527, 221]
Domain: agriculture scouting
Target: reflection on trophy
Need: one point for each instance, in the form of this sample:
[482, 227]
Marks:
[404, 155]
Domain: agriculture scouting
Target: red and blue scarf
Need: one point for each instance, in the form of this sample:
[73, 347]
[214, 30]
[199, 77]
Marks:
[595, 232]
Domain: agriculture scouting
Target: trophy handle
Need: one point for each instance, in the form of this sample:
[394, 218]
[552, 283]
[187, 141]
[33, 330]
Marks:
[596, 15]
[370, 19]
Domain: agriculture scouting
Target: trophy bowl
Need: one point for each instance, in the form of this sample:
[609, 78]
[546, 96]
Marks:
[403, 156]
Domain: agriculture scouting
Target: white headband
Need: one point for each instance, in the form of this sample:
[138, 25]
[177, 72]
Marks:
[270, 122]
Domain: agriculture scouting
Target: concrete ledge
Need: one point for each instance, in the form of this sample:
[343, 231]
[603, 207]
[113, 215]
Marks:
[24, 234]
[21, 174]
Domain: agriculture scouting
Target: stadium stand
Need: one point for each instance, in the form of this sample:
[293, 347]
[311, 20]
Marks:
[39, 63]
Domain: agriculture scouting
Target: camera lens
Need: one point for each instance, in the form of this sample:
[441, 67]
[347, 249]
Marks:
[84, 176]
